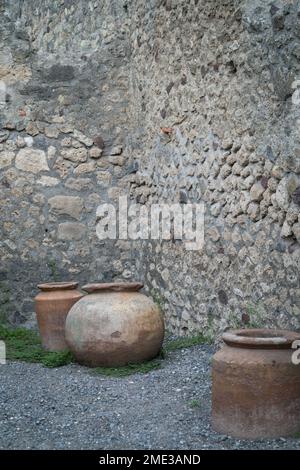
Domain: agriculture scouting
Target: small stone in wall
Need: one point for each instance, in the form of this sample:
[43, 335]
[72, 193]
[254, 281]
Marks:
[253, 211]
[231, 159]
[277, 172]
[52, 132]
[227, 144]
[285, 189]
[84, 168]
[75, 155]
[116, 160]
[215, 209]
[66, 205]
[51, 152]
[76, 144]
[272, 184]
[116, 150]
[32, 129]
[31, 160]
[66, 142]
[296, 196]
[95, 152]
[4, 135]
[62, 167]
[28, 141]
[213, 234]
[65, 129]
[20, 142]
[99, 142]
[6, 159]
[225, 171]
[296, 231]
[78, 184]
[48, 181]
[247, 182]
[103, 178]
[292, 214]
[69, 231]
[286, 230]
[87, 141]
[256, 192]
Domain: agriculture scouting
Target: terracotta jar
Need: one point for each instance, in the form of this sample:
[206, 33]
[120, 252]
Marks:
[114, 325]
[52, 305]
[255, 385]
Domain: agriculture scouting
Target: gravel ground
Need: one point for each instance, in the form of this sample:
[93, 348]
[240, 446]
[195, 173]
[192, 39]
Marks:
[72, 408]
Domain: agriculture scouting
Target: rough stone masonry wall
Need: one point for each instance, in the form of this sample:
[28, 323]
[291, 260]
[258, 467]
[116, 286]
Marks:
[221, 75]
[89, 85]
[64, 122]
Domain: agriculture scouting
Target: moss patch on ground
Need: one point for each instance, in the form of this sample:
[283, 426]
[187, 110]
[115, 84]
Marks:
[185, 342]
[125, 371]
[25, 345]
[194, 404]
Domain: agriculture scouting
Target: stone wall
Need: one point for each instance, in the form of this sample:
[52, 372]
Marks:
[167, 101]
[221, 74]
[62, 152]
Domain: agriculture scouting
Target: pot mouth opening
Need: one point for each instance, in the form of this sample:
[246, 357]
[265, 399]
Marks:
[50, 286]
[260, 338]
[113, 287]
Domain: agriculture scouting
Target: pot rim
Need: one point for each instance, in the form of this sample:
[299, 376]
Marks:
[260, 338]
[113, 287]
[52, 286]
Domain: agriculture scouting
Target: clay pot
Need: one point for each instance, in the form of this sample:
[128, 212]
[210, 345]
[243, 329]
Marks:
[52, 306]
[255, 385]
[114, 325]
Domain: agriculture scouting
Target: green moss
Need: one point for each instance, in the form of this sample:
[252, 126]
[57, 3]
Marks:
[256, 315]
[53, 268]
[194, 404]
[186, 342]
[3, 316]
[25, 345]
[297, 435]
[5, 306]
[157, 299]
[125, 371]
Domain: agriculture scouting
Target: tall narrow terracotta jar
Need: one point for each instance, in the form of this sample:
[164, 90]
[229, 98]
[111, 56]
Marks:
[52, 305]
[256, 385]
[114, 325]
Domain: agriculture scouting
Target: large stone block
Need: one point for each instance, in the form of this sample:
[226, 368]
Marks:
[31, 160]
[66, 205]
[69, 231]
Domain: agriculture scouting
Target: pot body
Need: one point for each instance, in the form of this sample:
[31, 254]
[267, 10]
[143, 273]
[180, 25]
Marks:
[255, 391]
[112, 328]
[52, 306]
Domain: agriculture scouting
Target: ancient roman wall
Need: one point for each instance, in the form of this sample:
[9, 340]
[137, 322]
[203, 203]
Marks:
[89, 86]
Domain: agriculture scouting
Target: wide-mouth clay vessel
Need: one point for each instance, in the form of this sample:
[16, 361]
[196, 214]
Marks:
[52, 305]
[256, 385]
[114, 325]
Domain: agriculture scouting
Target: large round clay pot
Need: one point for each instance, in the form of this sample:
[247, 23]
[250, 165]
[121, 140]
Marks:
[255, 385]
[114, 325]
[52, 305]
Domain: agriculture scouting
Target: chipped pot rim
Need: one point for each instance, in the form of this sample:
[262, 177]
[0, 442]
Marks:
[113, 287]
[263, 338]
[50, 286]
